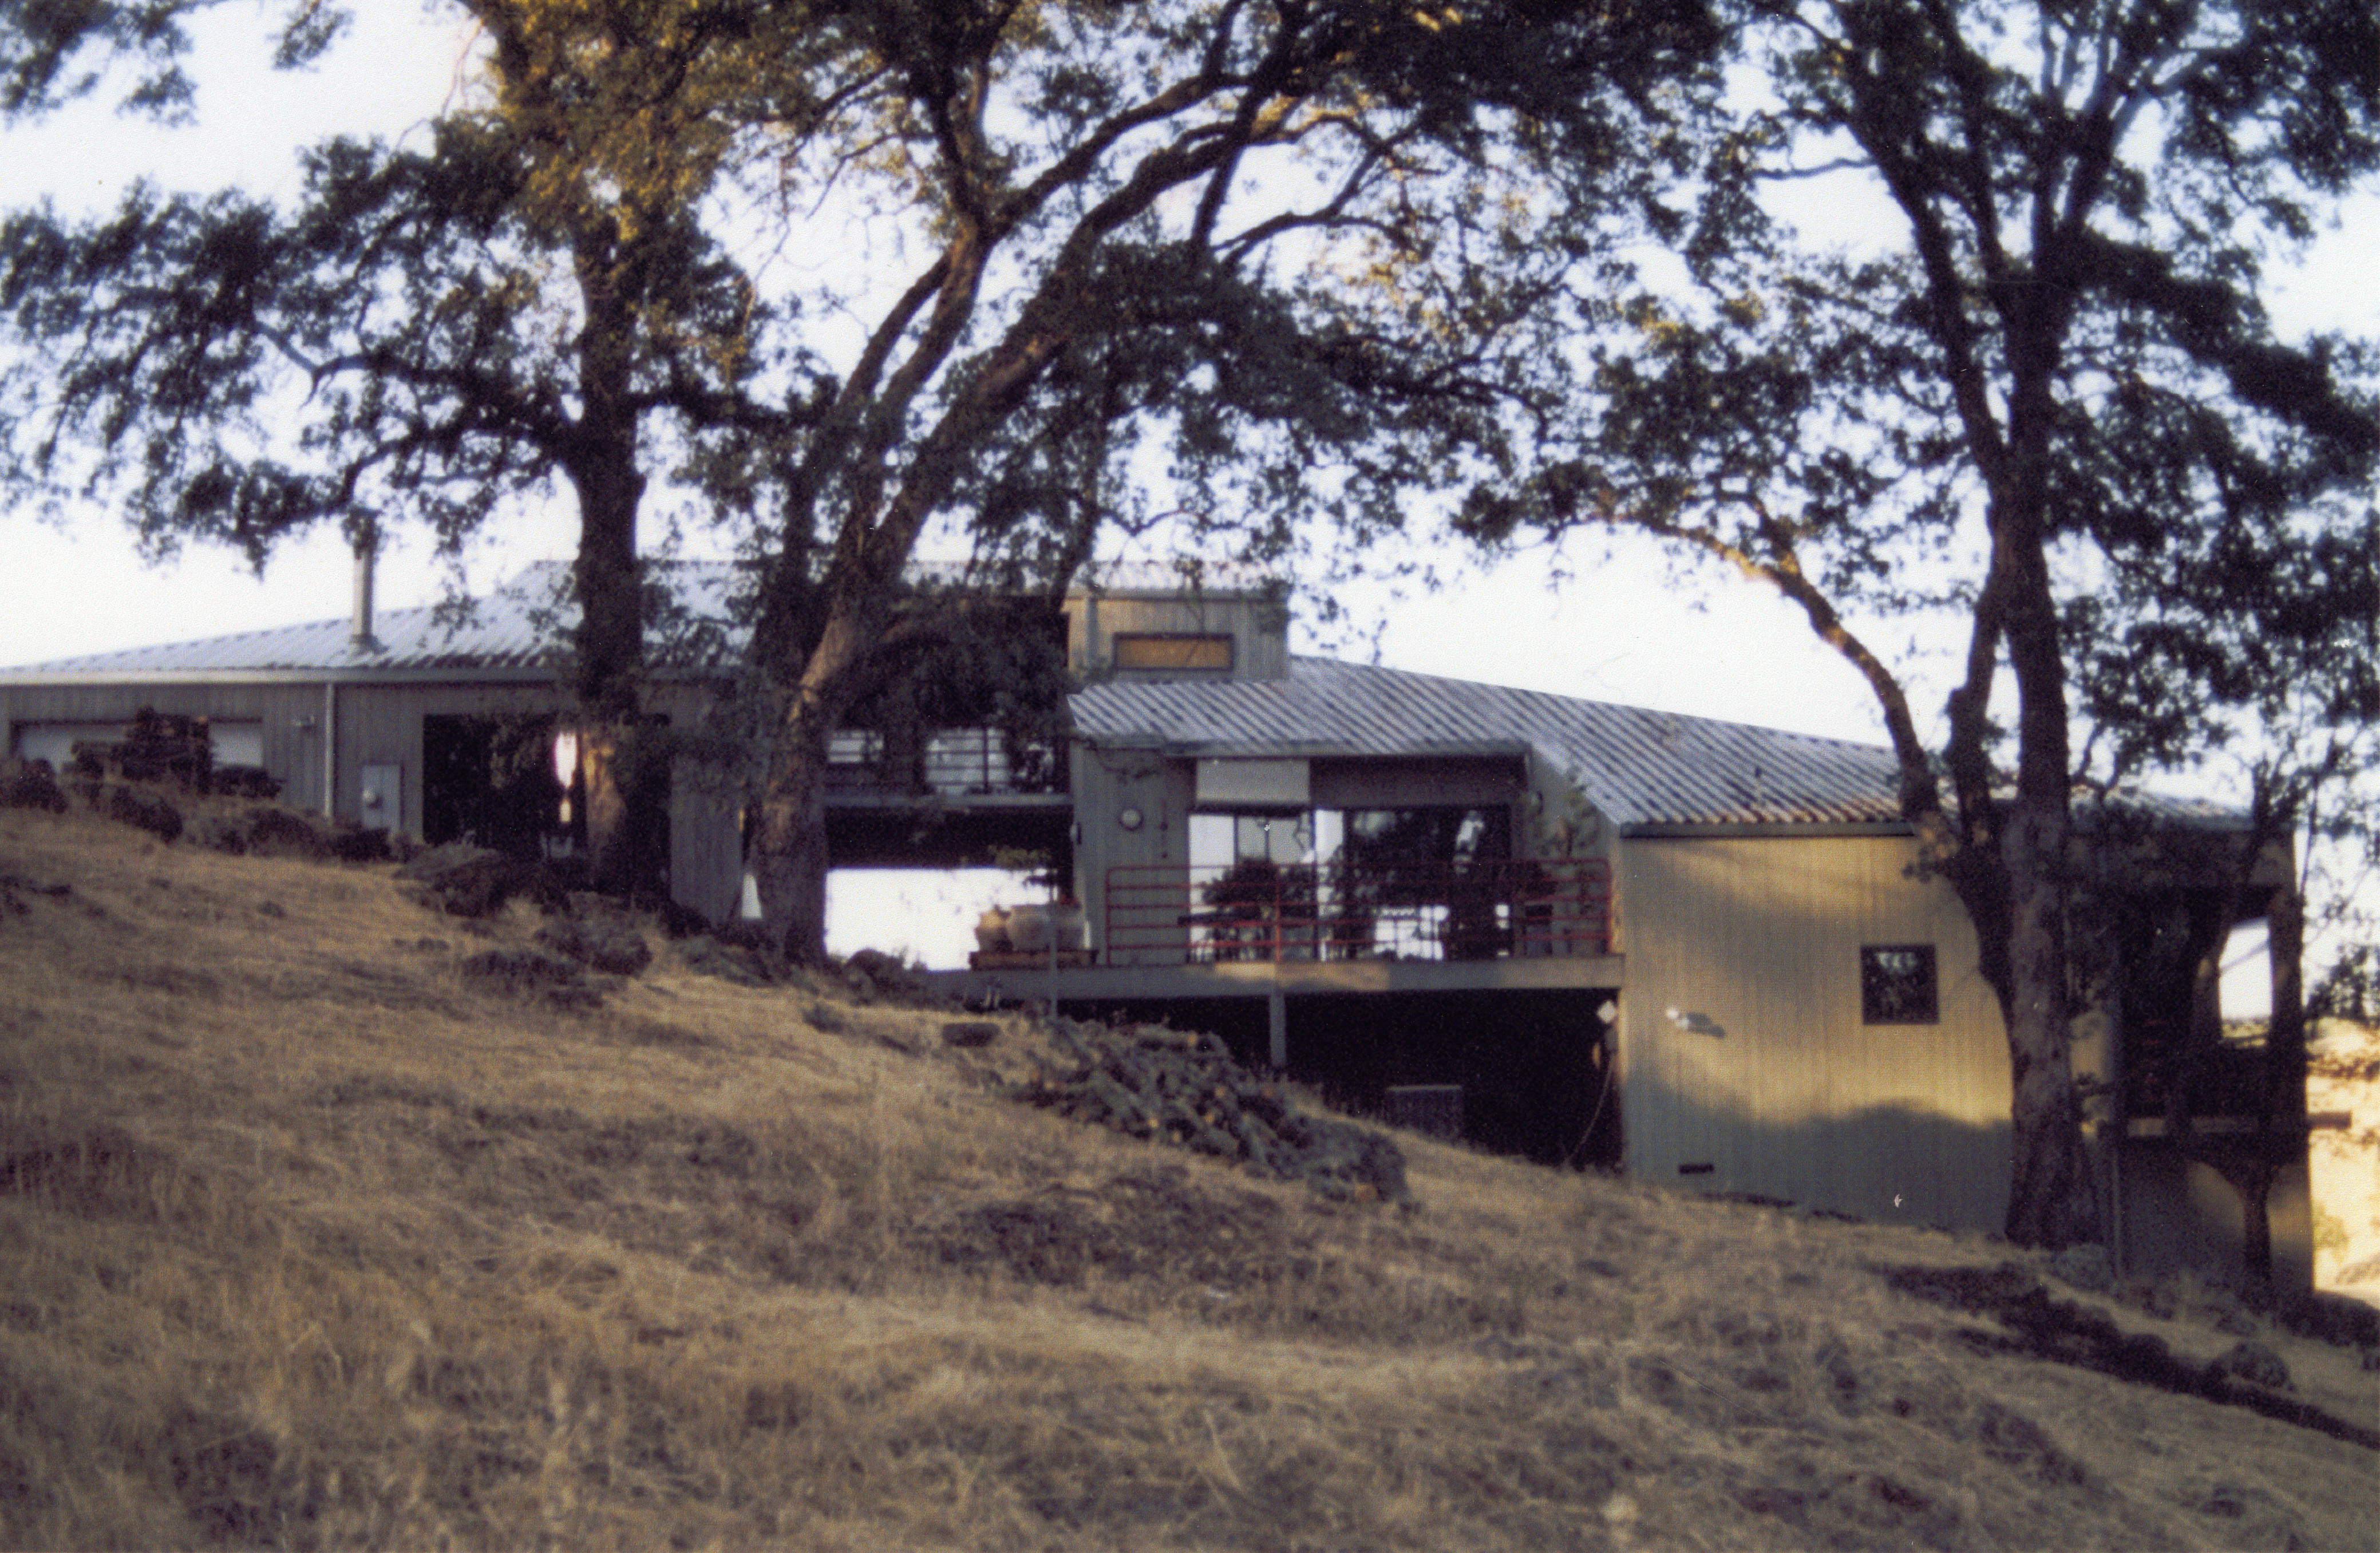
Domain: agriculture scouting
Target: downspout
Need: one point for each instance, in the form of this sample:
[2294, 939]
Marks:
[360, 641]
[330, 748]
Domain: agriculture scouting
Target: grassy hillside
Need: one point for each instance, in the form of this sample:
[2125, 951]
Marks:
[307, 1239]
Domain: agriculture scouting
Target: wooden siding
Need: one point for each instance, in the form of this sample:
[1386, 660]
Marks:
[1757, 942]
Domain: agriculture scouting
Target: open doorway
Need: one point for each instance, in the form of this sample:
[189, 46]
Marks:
[510, 783]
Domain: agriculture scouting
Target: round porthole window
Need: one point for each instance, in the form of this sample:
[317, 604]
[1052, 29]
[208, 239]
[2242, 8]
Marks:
[1129, 819]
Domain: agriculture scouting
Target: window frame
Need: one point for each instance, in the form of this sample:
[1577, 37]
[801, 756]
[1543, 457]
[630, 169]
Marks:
[1117, 650]
[1886, 996]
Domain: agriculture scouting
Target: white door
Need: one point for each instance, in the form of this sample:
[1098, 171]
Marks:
[382, 804]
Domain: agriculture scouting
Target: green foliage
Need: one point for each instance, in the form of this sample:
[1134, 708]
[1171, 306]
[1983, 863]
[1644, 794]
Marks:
[1271, 266]
[2041, 399]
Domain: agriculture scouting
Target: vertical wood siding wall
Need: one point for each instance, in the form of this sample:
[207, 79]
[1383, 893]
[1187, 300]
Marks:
[1798, 1099]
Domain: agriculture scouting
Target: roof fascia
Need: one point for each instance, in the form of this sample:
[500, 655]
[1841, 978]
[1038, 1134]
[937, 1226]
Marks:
[545, 676]
[1666, 830]
[1240, 750]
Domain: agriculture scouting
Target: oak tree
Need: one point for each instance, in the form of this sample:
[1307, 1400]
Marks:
[1265, 262]
[428, 331]
[2043, 361]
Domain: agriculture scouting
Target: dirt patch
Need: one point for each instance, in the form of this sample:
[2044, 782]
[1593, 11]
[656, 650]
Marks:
[1148, 1223]
[96, 1171]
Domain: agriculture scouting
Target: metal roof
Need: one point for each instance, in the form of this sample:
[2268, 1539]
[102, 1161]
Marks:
[1642, 768]
[1638, 767]
[525, 624]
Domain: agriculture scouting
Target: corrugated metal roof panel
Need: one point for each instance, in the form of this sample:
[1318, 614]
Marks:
[524, 624]
[1638, 767]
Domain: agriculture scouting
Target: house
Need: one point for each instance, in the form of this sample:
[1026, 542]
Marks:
[1699, 953]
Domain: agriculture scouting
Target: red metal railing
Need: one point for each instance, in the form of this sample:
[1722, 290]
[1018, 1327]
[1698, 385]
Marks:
[1271, 912]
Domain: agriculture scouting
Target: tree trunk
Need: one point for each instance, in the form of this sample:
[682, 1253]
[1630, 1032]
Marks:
[2280, 1109]
[2052, 1197]
[623, 795]
[789, 848]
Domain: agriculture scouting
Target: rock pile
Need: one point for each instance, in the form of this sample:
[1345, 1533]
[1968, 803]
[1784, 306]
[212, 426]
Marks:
[534, 973]
[273, 831]
[598, 933]
[1183, 1088]
[461, 880]
[27, 785]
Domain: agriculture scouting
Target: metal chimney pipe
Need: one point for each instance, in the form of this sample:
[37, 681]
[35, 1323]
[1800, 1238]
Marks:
[360, 632]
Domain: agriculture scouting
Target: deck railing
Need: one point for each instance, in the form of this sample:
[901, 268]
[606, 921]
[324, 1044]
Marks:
[951, 762]
[1335, 911]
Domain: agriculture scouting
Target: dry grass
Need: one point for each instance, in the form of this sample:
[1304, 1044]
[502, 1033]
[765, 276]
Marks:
[306, 1242]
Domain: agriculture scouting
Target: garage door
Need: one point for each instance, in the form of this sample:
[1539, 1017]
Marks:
[236, 744]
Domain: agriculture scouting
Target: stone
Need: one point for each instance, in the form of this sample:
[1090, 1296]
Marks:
[279, 832]
[605, 943]
[2255, 1363]
[355, 844]
[1184, 1089]
[969, 1033]
[739, 963]
[465, 880]
[144, 811]
[886, 974]
[536, 974]
[2086, 1266]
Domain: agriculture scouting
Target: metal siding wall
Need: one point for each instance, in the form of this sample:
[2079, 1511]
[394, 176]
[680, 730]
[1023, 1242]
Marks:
[1798, 1099]
[1106, 782]
[381, 725]
[290, 713]
[706, 846]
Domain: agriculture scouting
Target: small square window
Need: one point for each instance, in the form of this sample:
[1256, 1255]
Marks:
[1898, 985]
[1149, 650]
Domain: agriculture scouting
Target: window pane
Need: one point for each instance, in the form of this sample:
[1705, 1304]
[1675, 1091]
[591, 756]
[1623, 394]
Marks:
[1141, 650]
[1897, 985]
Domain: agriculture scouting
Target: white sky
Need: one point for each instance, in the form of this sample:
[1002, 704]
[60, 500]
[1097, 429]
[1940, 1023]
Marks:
[1621, 631]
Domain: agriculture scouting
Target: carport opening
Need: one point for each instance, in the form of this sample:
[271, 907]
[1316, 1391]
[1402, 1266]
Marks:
[499, 782]
[1534, 1066]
